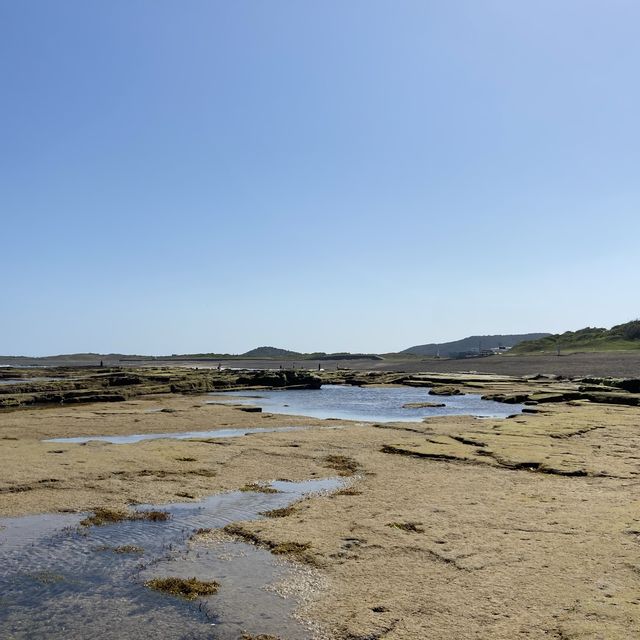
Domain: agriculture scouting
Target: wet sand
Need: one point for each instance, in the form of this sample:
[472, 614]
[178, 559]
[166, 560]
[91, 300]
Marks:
[453, 528]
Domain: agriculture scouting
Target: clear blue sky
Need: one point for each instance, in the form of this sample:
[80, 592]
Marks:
[356, 175]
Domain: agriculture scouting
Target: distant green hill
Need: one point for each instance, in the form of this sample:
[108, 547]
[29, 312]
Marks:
[472, 343]
[270, 352]
[618, 338]
[274, 352]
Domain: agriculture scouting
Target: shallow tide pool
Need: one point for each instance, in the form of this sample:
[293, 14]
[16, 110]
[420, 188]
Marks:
[371, 404]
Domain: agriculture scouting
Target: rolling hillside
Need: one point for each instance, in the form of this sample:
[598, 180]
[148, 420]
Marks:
[270, 352]
[472, 343]
[621, 337]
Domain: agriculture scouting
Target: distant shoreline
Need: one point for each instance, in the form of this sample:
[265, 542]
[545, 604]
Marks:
[610, 363]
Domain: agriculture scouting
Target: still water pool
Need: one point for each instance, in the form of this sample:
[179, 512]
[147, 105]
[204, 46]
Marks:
[371, 404]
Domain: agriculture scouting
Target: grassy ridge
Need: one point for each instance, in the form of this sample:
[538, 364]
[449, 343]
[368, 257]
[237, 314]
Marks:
[619, 338]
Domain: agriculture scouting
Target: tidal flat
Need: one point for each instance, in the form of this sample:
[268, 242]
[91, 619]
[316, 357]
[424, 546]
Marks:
[449, 526]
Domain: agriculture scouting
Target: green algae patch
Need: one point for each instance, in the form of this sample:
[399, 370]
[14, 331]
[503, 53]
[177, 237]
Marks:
[291, 548]
[105, 515]
[279, 513]
[187, 588]
[295, 550]
[122, 549]
[128, 548]
[151, 516]
[47, 577]
[423, 405]
[238, 531]
[349, 491]
[410, 527]
[344, 465]
[258, 488]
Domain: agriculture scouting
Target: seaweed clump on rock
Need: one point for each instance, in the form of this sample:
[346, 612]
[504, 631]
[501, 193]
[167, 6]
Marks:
[188, 588]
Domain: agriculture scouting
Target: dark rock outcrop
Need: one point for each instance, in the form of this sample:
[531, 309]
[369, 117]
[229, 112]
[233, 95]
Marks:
[444, 391]
[280, 379]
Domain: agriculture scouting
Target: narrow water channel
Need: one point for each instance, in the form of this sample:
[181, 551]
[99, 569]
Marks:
[180, 435]
[63, 581]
